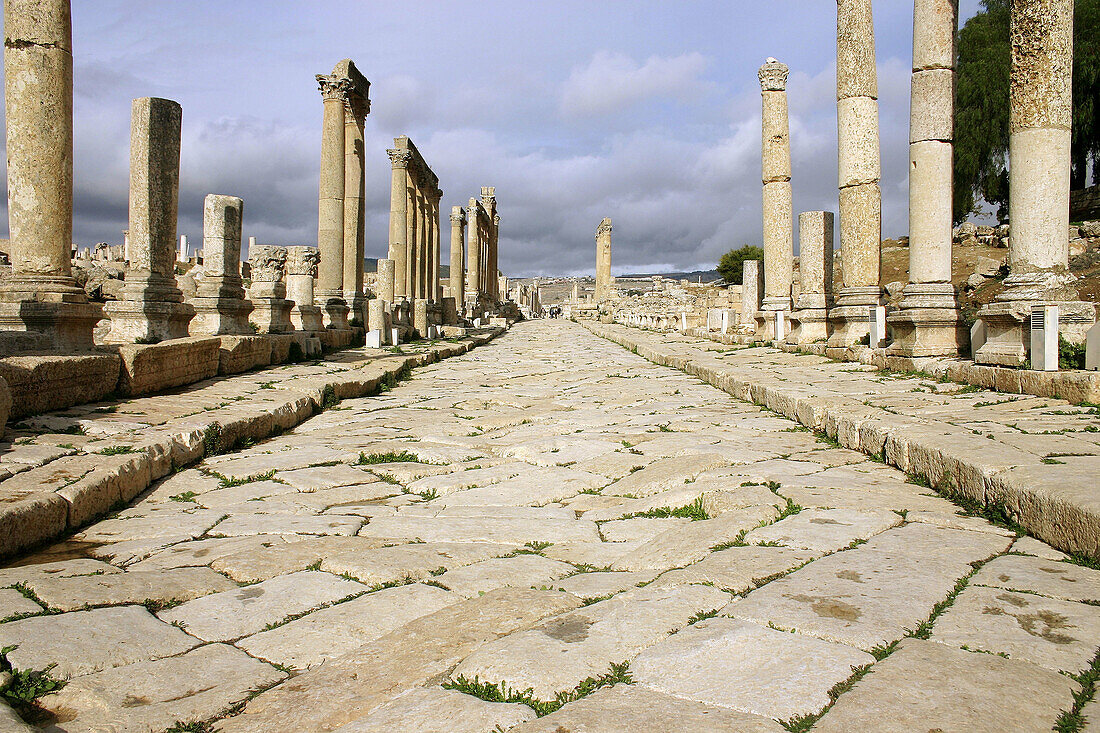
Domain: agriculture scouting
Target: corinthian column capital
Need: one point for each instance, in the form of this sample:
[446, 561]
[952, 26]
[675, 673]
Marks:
[773, 76]
[399, 157]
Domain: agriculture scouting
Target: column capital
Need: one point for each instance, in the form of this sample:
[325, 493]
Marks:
[773, 76]
[604, 227]
[496, 220]
[458, 215]
[302, 260]
[333, 87]
[399, 157]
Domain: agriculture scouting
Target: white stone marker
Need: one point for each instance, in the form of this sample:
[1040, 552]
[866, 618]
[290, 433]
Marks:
[1092, 349]
[1044, 338]
[876, 319]
[374, 339]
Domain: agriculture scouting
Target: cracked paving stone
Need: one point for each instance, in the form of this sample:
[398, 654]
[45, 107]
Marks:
[664, 474]
[488, 528]
[1046, 577]
[1056, 634]
[112, 589]
[824, 530]
[927, 686]
[14, 603]
[59, 569]
[562, 652]
[523, 571]
[83, 642]
[326, 477]
[435, 710]
[740, 665]
[242, 611]
[264, 524]
[738, 569]
[414, 561]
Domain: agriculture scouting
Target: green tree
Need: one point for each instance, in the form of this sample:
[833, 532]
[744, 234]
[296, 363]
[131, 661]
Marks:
[730, 266]
[981, 118]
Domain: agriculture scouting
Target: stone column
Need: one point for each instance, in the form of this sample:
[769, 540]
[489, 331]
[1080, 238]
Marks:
[1040, 116]
[494, 267]
[181, 257]
[330, 221]
[473, 256]
[399, 219]
[412, 234]
[458, 260]
[301, 268]
[576, 292]
[928, 322]
[268, 291]
[860, 197]
[815, 259]
[437, 285]
[40, 296]
[752, 275]
[387, 282]
[776, 159]
[220, 307]
[152, 307]
[603, 261]
[354, 246]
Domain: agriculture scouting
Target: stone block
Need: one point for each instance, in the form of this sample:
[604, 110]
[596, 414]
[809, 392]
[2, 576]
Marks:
[149, 368]
[43, 383]
[241, 353]
[857, 128]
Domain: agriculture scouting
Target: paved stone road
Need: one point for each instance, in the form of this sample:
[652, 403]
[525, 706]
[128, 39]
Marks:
[549, 534]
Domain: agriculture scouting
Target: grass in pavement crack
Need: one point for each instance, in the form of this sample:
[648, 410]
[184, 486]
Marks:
[693, 511]
[1071, 721]
[618, 674]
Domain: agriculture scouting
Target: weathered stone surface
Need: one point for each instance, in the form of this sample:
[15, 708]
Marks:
[435, 710]
[524, 571]
[1059, 635]
[739, 665]
[276, 557]
[638, 529]
[635, 709]
[58, 569]
[588, 641]
[825, 530]
[243, 611]
[684, 545]
[1045, 577]
[252, 524]
[342, 628]
[488, 528]
[14, 603]
[89, 641]
[738, 569]
[155, 695]
[601, 584]
[325, 477]
[350, 687]
[415, 561]
[958, 690]
[664, 474]
[168, 586]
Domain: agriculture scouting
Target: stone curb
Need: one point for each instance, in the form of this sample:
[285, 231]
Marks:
[45, 503]
[1058, 504]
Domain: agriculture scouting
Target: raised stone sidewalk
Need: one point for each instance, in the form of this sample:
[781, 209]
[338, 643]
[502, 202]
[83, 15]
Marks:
[60, 470]
[1033, 460]
[536, 538]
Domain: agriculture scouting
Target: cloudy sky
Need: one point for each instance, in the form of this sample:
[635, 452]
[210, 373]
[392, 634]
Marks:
[646, 111]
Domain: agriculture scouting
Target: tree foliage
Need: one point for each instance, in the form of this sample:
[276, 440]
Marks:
[731, 268]
[981, 118]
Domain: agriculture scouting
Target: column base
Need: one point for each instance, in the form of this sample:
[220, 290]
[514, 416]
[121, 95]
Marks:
[765, 322]
[64, 326]
[334, 312]
[220, 316]
[775, 303]
[809, 325]
[920, 332]
[356, 303]
[272, 315]
[307, 318]
[147, 322]
[849, 318]
[1008, 328]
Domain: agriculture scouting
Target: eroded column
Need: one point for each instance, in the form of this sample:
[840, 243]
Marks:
[603, 261]
[860, 196]
[815, 259]
[399, 219]
[301, 268]
[152, 307]
[458, 260]
[776, 160]
[387, 281]
[220, 306]
[330, 220]
[473, 256]
[267, 264]
[752, 276]
[354, 240]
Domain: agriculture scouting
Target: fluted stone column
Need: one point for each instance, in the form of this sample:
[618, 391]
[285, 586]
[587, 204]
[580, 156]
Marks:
[182, 256]
[815, 260]
[40, 296]
[387, 282]
[152, 307]
[354, 245]
[603, 261]
[1040, 116]
[489, 276]
[301, 268]
[473, 256]
[267, 292]
[776, 160]
[458, 260]
[860, 196]
[752, 276]
[399, 219]
[330, 220]
[220, 305]
[435, 288]
[494, 266]
[928, 322]
[412, 250]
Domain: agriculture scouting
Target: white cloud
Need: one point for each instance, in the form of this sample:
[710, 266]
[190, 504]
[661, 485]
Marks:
[614, 81]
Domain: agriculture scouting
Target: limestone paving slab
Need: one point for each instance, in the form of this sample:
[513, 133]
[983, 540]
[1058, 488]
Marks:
[350, 687]
[1051, 578]
[754, 669]
[195, 553]
[664, 474]
[164, 586]
[342, 628]
[637, 709]
[1056, 634]
[929, 686]
[586, 642]
[414, 561]
[602, 583]
[326, 477]
[57, 569]
[235, 613]
[83, 642]
[488, 528]
[239, 525]
[1032, 546]
[739, 569]
[14, 603]
[638, 529]
[522, 571]
[436, 710]
[824, 530]
[155, 695]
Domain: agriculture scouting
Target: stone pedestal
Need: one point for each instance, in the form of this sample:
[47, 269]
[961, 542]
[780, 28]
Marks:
[420, 317]
[220, 306]
[386, 280]
[752, 281]
[152, 307]
[603, 261]
[268, 291]
[1040, 111]
[301, 268]
[378, 315]
[859, 169]
[810, 319]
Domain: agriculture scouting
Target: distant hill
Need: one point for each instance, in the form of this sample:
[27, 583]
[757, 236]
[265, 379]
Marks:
[693, 276]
